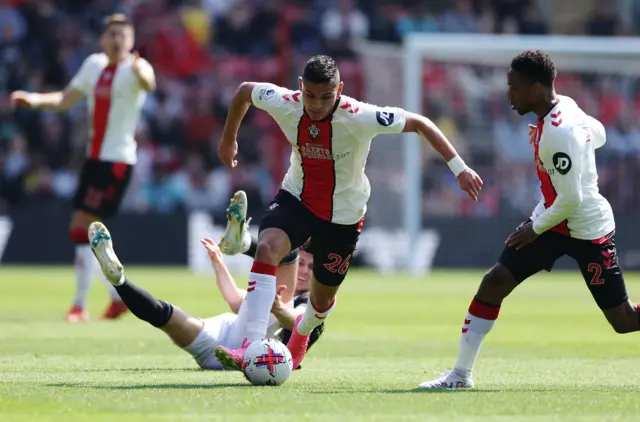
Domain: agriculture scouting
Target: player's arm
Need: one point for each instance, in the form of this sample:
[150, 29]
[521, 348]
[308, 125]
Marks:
[264, 96]
[286, 316]
[59, 101]
[228, 146]
[428, 130]
[469, 181]
[145, 74]
[564, 151]
[230, 291]
[56, 101]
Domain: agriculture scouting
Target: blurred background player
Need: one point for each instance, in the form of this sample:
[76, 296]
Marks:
[572, 218]
[114, 83]
[325, 191]
[199, 336]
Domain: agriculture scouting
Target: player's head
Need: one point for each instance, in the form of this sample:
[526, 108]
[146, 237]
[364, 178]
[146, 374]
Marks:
[321, 86]
[530, 79]
[305, 271]
[117, 37]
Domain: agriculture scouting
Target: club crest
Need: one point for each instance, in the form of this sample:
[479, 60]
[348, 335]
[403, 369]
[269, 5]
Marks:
[314, 131]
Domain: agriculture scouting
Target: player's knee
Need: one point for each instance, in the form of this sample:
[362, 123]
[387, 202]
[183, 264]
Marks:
[269, 252]
[624, 325]
[623, 318]
[496, 284]
[81, 219]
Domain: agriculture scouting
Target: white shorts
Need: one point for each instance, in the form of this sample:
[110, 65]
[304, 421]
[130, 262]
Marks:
[214, 333]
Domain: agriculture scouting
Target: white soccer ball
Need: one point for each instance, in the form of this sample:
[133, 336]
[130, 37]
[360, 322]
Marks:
[267, 362]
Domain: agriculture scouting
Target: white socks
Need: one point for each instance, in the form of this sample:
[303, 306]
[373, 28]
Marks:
[84, 265]
[313, 317]
[479, 321]
[260, 296]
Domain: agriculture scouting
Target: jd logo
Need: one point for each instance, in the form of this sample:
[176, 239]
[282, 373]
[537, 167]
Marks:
[562, 162]
[385, 118]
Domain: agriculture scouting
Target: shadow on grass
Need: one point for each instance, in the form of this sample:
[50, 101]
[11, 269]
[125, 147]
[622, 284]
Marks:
[113, 370]
[151, 386]
[411, 391]
[506, 390]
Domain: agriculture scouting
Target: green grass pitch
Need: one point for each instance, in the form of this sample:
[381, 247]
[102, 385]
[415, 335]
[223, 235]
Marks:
[550, 357]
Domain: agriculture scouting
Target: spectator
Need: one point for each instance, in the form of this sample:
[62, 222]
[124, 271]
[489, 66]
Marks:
[342, 25]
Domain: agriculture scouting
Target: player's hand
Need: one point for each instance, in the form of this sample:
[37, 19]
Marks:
[227, 151]
[136, 66]
[277, 302]
[22, 99]
[470, 182]
[523, 235]
[215, 254]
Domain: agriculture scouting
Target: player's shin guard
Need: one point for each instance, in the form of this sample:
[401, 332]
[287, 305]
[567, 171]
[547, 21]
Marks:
[84, 265]
[143, 305]
[260, 295]
[480, 319]
[313, 317]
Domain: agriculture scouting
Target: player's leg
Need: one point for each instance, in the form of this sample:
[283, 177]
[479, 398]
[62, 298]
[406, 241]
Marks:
[179, 326]
[332, 247]
[286, 272]
[284, 227]
[87, 206]
[118, 177]
[598, 262]
[513, 267]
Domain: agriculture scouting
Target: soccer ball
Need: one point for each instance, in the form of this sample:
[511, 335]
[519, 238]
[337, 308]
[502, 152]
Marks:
[267, 362]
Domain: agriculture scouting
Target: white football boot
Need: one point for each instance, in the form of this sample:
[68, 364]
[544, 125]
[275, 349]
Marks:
[449, 379]
[102, 246]
[236, 238]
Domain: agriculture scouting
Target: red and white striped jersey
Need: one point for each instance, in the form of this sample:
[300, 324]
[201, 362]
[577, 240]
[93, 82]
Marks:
[114, 99]
[329, 156]
[564, 144]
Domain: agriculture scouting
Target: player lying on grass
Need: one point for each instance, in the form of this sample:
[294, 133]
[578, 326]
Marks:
[325, 192]
[197, 336]
[572, 218]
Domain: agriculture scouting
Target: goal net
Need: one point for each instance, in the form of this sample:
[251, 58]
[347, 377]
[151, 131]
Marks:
[459, 81]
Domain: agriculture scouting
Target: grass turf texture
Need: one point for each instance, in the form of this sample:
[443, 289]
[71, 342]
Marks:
[551, 356]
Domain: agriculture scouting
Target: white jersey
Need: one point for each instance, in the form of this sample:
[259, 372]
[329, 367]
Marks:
[227, 330]
[565, 144]
[328, 159]
[114, 98]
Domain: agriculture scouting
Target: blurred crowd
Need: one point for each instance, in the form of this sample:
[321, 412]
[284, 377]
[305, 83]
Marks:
[202, 49]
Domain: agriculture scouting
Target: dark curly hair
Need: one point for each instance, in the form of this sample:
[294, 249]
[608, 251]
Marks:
[536, 66]
[321, 69]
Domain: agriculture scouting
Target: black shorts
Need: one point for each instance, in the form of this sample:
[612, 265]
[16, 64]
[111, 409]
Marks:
[597, 260]
[332, 245]
[101, 187]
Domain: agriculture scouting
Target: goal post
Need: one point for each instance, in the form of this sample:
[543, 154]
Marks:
[394, 76]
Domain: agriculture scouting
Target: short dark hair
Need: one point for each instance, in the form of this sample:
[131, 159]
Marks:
[536, 66]
[116, 19]
[321, 69]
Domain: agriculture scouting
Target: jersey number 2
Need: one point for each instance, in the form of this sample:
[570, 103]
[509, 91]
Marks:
[336, 264]
[596, 269]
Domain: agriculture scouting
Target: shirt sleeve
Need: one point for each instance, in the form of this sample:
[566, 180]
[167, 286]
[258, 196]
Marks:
[271, 98]
[562, 155]
[381, 120]
[82, 79]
